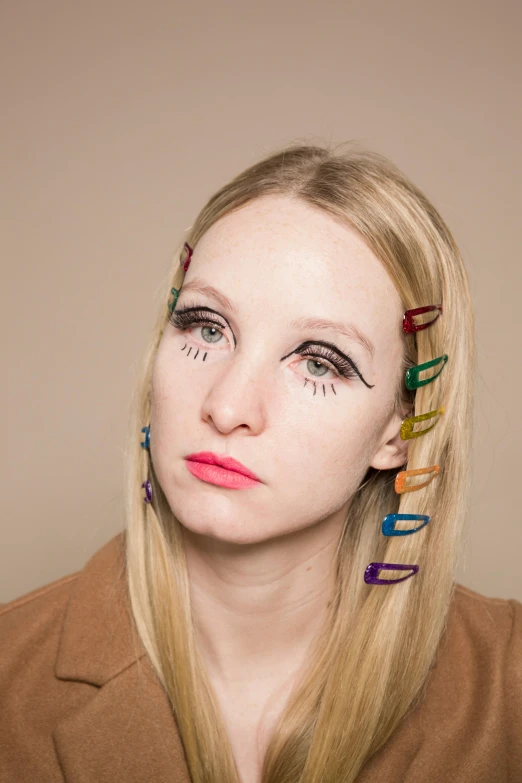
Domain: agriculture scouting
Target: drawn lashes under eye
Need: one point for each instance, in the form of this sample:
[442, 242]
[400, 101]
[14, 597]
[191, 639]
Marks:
[340, 364]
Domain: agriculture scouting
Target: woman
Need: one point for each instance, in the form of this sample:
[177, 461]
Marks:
[282, 605]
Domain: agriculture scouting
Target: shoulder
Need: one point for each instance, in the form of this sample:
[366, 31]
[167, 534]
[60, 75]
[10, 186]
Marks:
[488, 627]
[64, 612]
[59, 644]
[478, 672]
[483, 635]
[29, 619]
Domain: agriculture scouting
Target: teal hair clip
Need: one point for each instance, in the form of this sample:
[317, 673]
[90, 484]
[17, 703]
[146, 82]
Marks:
[412, 375]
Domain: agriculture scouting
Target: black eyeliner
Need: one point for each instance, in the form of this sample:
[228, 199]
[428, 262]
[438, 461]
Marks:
[333, 348]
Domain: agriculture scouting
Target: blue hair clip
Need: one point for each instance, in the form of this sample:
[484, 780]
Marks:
[145, 443]
[389, 521]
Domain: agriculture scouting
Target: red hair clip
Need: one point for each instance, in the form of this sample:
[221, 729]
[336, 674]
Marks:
[186, 256]
[408, 320]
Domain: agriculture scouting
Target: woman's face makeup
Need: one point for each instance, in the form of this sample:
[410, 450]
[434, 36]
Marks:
[250, 368]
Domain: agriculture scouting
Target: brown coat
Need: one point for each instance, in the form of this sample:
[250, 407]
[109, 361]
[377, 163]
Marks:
[77, 706]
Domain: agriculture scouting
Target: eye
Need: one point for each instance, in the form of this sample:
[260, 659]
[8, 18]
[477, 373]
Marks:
[321, 360]
[184, 320]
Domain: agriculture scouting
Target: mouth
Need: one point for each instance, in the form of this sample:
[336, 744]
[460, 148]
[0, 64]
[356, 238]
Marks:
[221, 470]
[228, 464]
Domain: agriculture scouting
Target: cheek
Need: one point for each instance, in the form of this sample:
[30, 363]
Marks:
[169, 413]
[324, 448]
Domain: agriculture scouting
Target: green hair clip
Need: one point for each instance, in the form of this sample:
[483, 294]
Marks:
[412, 375]
[175, 293]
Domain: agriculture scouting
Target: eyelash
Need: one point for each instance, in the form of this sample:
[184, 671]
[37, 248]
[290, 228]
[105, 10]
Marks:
[186, 318]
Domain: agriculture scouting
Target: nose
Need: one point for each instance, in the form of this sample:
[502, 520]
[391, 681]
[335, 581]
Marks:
[238, 394]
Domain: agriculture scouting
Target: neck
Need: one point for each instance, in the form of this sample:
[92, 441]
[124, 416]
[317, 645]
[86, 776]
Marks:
[257, 607]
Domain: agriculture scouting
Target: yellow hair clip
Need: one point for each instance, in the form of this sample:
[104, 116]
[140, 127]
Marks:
[408, 424]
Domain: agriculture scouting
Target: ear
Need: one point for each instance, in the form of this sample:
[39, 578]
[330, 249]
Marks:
[393, 451]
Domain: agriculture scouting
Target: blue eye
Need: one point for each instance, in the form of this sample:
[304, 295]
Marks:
[334, 362]
[185, 319]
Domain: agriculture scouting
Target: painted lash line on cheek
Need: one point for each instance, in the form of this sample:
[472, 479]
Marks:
[324, 390]
[196, 354]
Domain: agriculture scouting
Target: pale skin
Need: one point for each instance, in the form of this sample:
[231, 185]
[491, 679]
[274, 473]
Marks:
[260, 559]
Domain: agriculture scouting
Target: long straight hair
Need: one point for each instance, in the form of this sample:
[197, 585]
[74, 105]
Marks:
[370, 664]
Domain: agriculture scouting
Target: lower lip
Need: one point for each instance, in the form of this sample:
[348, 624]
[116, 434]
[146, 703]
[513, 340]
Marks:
[214, 474]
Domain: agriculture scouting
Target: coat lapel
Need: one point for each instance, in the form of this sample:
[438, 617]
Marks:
[121, 727]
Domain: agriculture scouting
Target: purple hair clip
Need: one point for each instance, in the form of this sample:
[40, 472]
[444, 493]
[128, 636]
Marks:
[186, 256]
[370, 575]
[148, 491]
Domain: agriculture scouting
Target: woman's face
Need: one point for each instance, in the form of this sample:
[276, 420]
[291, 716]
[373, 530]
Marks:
[247, 387]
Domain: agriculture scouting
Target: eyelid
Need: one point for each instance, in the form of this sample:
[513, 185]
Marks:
[195, 309]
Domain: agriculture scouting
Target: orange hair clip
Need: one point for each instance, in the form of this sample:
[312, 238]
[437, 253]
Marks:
[400, 479]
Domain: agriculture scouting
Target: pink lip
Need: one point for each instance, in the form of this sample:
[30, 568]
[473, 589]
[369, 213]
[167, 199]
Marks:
[221, 470]
[229, 463]
[214, 474]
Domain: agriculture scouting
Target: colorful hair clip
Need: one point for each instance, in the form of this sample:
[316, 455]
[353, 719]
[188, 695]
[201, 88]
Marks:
[186, 256]
[412, 375]
[148, 491]
[370, 575]
[389, 521]
[408, 424]
[408, 319]
[175, 292]
[400, 479]
[146, 443]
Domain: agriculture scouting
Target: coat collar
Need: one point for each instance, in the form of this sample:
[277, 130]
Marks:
[120, 725]
[99, 639]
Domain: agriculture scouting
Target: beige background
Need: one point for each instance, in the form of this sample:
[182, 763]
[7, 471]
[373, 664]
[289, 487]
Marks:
[121, 118]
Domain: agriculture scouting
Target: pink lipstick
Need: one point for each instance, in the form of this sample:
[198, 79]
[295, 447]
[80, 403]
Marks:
[221, 470]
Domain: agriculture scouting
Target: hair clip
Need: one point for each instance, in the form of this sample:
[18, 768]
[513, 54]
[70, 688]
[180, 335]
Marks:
[389, 521]
[370, 575]
[145, 443]
[408, 322]
[408, 424]
[148, 491]
[186, 256]
[400, 479]
[412, 375]
[175, 292]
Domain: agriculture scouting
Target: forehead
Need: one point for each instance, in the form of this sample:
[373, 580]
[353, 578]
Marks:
[280, 254]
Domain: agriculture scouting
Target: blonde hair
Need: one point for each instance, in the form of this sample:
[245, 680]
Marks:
[370, 665]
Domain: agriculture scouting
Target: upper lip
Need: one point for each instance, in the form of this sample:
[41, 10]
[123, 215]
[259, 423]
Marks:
[229, 463]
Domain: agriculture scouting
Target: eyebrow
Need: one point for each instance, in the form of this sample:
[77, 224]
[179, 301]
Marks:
[347, 329]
